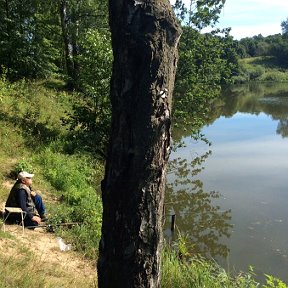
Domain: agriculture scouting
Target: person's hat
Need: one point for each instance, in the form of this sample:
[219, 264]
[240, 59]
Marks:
[24, 174]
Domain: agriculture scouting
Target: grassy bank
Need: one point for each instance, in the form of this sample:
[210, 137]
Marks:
[262, 69]
[33, 136]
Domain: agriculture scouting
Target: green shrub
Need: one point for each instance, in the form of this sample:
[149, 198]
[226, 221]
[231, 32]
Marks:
[274, 76]
[255, 72]
[23, 165]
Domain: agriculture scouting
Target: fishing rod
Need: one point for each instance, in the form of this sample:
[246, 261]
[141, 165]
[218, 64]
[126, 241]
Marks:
[50, 227]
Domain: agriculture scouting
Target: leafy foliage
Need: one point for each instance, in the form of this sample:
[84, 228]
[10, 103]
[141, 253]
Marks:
[90, 121]
[76, 18]
[35, 44]
[274, 45]
[284, 26]
[205, 62]
[29, 38]
[200, 14]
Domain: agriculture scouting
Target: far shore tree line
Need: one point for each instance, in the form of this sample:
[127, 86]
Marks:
[273, 45]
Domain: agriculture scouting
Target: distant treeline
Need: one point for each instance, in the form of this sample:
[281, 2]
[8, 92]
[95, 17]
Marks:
[273, 45]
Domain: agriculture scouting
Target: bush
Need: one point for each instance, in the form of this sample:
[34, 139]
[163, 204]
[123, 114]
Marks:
[256, 72]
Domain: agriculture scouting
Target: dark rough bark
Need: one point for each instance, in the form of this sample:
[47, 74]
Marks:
[145, 35]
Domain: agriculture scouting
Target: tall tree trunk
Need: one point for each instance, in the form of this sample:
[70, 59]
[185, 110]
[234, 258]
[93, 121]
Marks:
[145, 35]
[68, 43]
[8, 36]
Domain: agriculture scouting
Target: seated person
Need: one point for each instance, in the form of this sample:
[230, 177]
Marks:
[22, 196]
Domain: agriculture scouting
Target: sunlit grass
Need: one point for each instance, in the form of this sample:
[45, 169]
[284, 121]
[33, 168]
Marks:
[197, 272]
[263, 69]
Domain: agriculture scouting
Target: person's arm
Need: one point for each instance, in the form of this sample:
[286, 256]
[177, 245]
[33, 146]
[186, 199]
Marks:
[33, 193]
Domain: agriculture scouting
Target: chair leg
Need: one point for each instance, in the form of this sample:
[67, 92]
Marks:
[5, 217]
[22, 222]
[4, 221]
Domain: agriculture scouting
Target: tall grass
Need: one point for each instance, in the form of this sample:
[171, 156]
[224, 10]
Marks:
[197, 272]
[193, 273]
[34, 138]
[30, 117]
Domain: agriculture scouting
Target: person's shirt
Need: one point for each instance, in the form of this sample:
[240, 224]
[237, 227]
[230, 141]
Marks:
[22, 199]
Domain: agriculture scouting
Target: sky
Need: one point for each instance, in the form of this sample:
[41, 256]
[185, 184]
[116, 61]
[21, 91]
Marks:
[252, 17]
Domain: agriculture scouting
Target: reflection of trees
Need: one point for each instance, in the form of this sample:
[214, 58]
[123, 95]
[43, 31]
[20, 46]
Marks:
[197, 217]
[282, 128]
[254, 98]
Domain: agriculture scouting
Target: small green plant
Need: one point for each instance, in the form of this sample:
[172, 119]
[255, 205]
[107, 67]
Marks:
[23, 165]
[272, 282]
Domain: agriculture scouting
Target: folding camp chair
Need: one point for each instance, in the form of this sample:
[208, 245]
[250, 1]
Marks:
[13, 210]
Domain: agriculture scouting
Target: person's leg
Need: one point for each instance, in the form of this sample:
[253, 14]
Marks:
[29, 223]
[39, 205]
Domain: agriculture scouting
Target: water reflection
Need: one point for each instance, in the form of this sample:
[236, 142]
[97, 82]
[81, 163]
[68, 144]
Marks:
[282, 128]
[255, 98]
[200, 220]
[248, 128]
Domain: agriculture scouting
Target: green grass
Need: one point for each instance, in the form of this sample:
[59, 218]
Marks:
[263, 69]
[33, 137]
[197, 272]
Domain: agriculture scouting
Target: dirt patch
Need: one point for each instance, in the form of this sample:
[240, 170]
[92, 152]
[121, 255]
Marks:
[47, 252]
[46, 246]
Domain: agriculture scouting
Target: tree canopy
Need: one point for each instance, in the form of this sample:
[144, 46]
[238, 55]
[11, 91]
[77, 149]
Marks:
[284, 26]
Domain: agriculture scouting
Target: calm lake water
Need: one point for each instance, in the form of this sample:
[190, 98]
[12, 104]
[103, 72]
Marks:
[231, 198]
